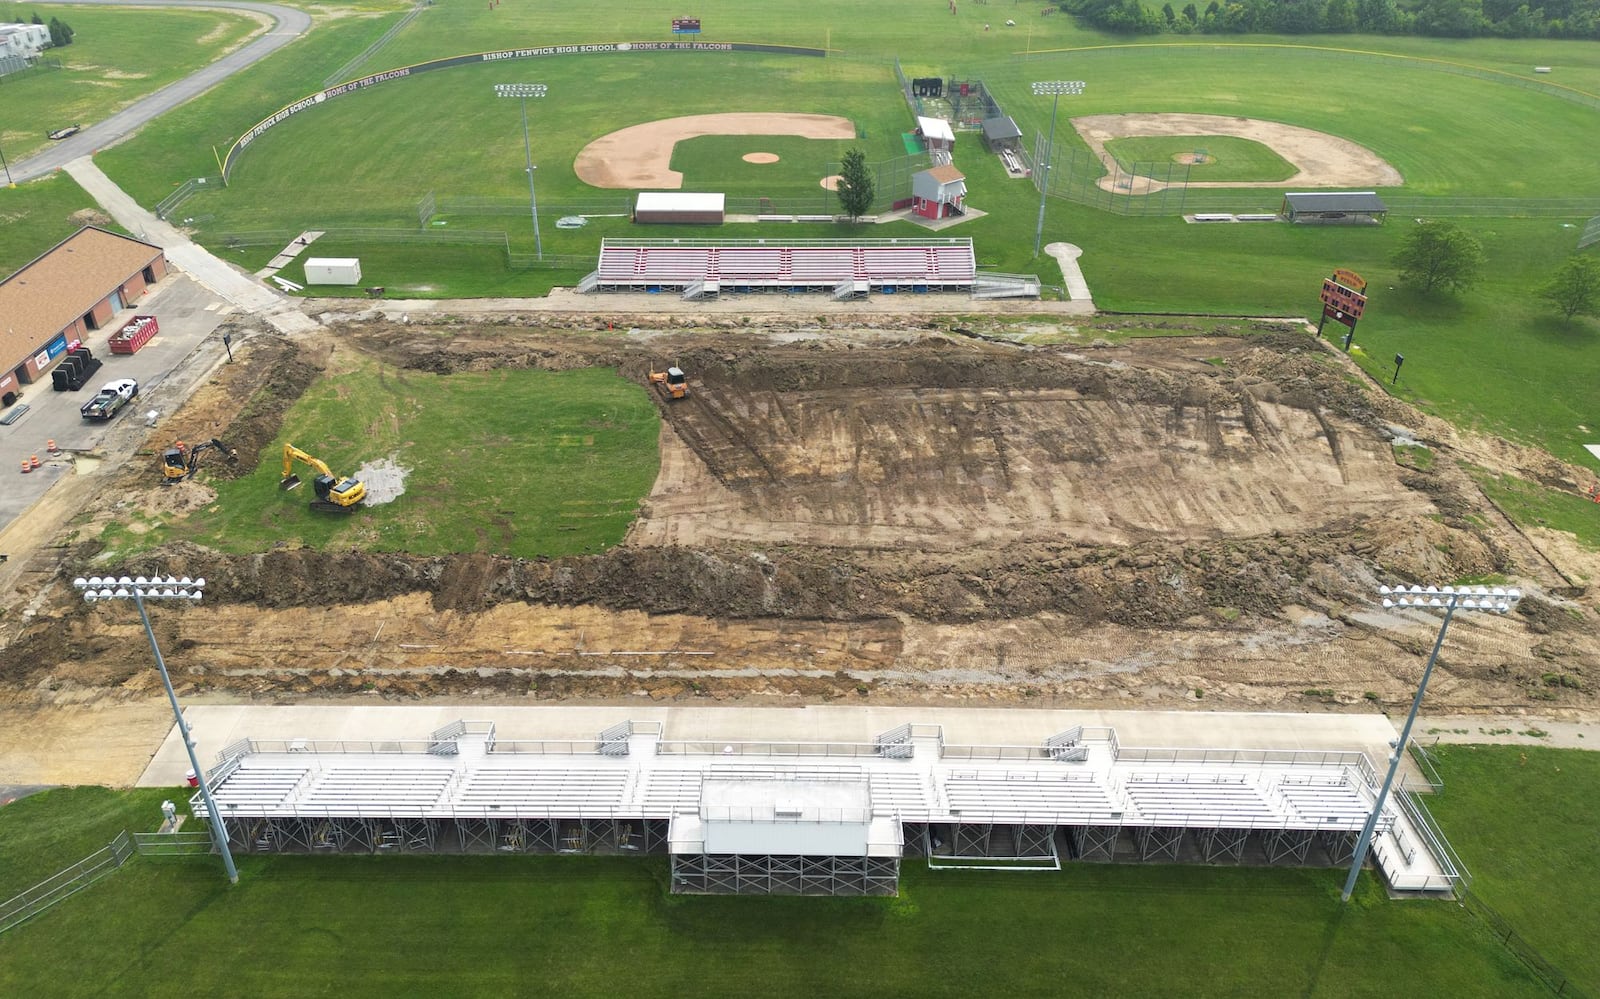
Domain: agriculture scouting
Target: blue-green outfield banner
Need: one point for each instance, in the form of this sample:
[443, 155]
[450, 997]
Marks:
[602, 48]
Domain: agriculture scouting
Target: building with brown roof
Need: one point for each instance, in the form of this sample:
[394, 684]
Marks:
[75, 287]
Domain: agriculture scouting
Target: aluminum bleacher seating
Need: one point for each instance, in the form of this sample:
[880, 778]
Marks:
[1026, 796]
[546, 791]
[1191, 799]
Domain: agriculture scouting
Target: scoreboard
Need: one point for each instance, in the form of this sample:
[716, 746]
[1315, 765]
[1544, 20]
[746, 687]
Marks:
[686, 26]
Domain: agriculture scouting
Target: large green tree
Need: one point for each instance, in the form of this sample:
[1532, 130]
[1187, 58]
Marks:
[855, 185]
[1575, 289]
[1439, 255]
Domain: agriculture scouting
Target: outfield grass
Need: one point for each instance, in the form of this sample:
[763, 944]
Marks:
[1524, 820]
[518, 462]
[1229, 158]
[109, 65]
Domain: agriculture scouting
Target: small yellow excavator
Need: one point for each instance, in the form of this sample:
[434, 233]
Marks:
[179, 462]
[333, 495]
[672, 383]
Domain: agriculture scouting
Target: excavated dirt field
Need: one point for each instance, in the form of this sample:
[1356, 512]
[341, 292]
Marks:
[894, 511]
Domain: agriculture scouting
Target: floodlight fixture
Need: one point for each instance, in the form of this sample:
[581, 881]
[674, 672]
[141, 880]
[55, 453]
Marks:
[1494, 599]
[139, 589]
[1052, 89]
[523, 91]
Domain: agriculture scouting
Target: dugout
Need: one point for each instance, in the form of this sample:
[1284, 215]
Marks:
[936, 134]
[679, 208]
[1001, 133]
[1334, 208]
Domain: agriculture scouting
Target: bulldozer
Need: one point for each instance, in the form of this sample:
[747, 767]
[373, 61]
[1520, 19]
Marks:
[671, 383]
[333, 494]
[179, 462]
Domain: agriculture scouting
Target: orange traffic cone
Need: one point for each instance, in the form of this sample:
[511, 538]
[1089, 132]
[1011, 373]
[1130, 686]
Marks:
[26, 468]
[50, 446]
[35, 459]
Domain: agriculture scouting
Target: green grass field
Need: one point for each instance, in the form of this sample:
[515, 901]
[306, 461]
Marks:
[38, 216]
[716, 162]
[518, 462]
[302, 926]
[1224, 158]
[108, 66]
[1524, 821]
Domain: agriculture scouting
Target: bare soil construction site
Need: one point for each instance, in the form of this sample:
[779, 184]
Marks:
[895, 511]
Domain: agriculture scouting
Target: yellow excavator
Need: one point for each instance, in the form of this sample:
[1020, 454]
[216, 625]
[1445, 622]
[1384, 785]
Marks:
[333, 494]
[179, 462]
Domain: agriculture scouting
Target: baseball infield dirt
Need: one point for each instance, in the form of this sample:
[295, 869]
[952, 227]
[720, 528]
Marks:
[640, 156]
[1320, 159]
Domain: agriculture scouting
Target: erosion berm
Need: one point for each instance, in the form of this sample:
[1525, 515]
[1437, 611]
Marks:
[890, 510]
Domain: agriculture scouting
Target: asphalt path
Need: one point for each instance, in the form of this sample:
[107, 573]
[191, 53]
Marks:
[288, 24]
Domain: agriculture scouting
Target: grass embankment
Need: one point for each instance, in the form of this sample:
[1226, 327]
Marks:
[1524, 820]
[516, 462]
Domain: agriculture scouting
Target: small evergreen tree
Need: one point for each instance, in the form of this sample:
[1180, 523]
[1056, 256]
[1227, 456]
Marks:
[855, 185]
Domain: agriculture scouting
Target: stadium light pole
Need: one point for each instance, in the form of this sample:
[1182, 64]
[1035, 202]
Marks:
[523, 91]
[1053, 88]
[1451, 599]
[140, 589]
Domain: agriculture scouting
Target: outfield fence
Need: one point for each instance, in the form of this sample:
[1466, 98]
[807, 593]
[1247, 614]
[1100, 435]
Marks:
[343, 72]
[1590, 234]
[67, 882]
[168, 207]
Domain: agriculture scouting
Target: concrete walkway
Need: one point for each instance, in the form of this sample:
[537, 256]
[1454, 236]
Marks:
[240, 290]
[1071, 274]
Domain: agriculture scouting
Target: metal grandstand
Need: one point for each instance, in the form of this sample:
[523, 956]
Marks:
[817, 817]
[698, 268]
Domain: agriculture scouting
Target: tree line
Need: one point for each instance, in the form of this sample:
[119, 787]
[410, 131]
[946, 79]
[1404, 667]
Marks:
[60, 32]
[1434, 18]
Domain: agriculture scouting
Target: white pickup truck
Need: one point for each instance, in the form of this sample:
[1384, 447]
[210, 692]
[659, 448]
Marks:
[110, 400]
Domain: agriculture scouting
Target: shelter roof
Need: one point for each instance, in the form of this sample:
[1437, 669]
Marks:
[1001, 128]
[935, 128]
[1336, 201]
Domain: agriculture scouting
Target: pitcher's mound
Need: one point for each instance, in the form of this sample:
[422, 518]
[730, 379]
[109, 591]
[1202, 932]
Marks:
[760, 157]
[1194, 159]
[831, 183]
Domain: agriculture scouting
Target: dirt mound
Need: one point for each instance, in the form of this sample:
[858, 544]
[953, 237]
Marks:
[905, 511]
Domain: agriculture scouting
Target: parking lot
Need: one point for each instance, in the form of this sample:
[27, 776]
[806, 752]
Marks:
[182, 353]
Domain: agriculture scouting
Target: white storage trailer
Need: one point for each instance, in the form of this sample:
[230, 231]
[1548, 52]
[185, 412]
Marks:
[333, 270]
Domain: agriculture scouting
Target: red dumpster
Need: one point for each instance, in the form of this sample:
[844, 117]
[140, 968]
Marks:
[135, 334]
